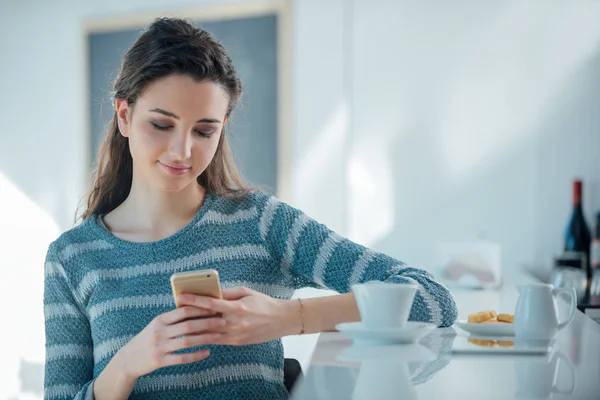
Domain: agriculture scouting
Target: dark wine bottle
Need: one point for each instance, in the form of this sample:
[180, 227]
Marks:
[577, 235]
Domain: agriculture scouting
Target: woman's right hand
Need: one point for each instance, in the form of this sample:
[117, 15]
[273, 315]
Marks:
[154, 346]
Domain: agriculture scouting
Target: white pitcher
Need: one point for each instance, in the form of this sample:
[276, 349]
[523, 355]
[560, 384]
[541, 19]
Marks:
[536, 314]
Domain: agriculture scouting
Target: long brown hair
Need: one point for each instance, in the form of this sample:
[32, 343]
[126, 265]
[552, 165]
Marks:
[167, 46]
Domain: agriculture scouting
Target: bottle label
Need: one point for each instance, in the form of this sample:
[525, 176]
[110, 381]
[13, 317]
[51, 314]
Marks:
[595, 254]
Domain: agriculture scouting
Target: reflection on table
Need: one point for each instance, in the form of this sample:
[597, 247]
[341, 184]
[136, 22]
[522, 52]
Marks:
[378, 372]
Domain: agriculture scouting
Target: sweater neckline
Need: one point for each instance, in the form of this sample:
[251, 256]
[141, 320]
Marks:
[106, 235]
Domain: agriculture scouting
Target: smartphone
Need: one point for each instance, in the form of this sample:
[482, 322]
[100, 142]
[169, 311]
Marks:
[202, 283]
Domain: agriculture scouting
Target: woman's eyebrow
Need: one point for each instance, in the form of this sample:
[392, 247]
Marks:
[170, 114]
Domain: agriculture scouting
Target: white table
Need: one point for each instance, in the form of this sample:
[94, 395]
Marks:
[339, 370]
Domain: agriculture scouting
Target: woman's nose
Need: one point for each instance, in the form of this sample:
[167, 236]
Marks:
[180, 145]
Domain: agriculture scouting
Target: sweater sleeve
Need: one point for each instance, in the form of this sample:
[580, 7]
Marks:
[312, 255]
[69, 362]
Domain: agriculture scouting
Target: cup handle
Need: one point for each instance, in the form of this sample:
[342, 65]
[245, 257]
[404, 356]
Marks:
[572, 304]
[571, 389]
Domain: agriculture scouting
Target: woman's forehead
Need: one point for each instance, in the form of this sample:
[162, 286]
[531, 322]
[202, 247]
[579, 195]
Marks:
[185, 97]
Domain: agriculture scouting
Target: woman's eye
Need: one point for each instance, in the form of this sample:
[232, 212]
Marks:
[165, 128]
[159, 127]
[204, 134]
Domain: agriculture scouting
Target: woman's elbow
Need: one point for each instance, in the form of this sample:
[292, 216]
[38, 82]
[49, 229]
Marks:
[448, 307]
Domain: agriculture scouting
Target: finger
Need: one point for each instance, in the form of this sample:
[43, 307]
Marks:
[209, 303]
[188, 341]
[193, 326]
[183, 313]
[230, 339]
[175, 359]
[236, 293]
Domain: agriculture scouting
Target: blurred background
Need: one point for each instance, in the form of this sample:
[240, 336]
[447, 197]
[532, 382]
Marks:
[404, 126]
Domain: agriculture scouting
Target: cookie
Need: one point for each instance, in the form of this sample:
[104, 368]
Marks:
[506, 318]
[481, 316]
[491, 321]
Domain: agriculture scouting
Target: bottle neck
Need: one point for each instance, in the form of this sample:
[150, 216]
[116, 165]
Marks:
[577, 193]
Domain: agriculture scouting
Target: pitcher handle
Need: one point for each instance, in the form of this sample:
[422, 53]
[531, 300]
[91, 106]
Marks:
[571, 388]
[570, 291]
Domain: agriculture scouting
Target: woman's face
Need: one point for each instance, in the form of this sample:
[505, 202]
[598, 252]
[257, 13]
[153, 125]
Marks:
[174, 131]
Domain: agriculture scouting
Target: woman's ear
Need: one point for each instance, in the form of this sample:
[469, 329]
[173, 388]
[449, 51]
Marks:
[224, 122]
[122, 109]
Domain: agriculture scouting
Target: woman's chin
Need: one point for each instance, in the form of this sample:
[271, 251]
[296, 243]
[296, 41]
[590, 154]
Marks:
[176, 187]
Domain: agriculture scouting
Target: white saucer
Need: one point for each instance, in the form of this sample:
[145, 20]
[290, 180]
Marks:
[495, 329]
[412, 332]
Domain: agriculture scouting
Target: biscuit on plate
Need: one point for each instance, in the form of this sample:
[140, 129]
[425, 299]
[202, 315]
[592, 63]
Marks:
[506, 318]
[481, 316]
[491, 321]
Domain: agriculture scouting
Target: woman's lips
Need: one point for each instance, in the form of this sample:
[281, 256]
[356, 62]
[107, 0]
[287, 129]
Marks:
[175, 169]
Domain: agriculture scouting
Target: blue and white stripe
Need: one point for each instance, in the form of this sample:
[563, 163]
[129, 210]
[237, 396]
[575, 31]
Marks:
[70, 350]
[435, 311]
[130, 303]
[360, 266]
[77, 249]
[210, 256]
[267, 216]
[109, 347]
[212, 376]
[215, 217]
[300, 223]
[327, 248]
[61, 310]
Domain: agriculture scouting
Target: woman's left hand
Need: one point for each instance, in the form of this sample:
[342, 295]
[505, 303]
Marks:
[252, 317]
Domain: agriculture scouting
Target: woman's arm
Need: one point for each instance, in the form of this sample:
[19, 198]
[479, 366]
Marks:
[321, 314]
[312, 255]
[113, 383]
[69, 362]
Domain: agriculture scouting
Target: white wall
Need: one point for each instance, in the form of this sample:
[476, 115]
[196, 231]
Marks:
[459, 119]
[470, 119]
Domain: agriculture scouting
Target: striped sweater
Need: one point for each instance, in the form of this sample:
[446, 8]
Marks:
[100, 291]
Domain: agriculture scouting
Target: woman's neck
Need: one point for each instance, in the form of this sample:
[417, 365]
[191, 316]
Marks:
[149, 214]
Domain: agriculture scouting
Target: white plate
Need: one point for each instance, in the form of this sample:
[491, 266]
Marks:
[490, 329]
[412, 332]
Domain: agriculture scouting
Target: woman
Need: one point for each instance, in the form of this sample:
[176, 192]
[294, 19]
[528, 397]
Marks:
[167, 199]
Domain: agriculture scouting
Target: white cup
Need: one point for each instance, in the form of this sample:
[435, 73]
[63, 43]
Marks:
[384, 305]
